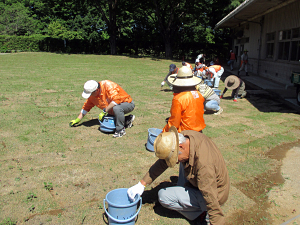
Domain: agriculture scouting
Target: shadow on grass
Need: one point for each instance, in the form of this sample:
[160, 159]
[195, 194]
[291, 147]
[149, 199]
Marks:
[89, 123]
[151, 197]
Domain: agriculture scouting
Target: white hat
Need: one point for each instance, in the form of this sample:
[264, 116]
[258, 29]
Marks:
[197, 60]
[89, 87]
[184, 78]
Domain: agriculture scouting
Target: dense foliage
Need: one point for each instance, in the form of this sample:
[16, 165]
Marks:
[166, 28]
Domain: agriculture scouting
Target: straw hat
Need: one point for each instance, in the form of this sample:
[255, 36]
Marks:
[184, 78]
[166, 146]
[232, 82]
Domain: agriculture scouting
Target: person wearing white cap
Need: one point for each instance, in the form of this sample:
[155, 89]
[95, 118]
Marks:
[187, 104]
[112, 99]
[203, 183]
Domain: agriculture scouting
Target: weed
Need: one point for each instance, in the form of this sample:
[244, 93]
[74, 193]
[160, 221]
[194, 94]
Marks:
[8, 221]
[59, 215]
[31, 208]
[11, 167]
[48, 186]
[100, 206]
[64, 156]
[30, 196]
[17, 179]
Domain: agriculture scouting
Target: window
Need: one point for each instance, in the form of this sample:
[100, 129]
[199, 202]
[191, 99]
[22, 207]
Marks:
[270, 44]
[289, 45]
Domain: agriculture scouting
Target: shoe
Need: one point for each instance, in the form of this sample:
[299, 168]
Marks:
[119, 133]
[221, 96]
[219, 112]
[128, 123]
[247, 74]
[235, 100]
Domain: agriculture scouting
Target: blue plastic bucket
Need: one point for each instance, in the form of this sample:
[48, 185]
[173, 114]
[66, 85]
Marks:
[121, 210]
[218, 92]
[152, 134]
[108, 124]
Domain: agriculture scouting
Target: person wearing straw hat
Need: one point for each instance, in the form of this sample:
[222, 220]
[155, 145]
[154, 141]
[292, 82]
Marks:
[112, 99]
[203, 182]
[187, 104]
[244, 62]
[237, 85]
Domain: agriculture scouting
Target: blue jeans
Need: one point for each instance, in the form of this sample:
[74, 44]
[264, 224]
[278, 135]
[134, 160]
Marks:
[212, 105]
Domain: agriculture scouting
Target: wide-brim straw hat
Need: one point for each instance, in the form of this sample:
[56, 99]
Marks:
[184, 78]
[232, 82]
[166, 146]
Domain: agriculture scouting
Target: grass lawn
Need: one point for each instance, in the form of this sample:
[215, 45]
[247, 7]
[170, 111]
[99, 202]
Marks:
[53, 174]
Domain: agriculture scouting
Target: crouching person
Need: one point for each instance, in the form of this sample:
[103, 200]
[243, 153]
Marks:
[203, 183]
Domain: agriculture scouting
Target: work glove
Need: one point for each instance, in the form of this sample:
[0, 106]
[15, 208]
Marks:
[74, 122]
[102, 114]
[221, 96]
[162, 84]
[134, 190]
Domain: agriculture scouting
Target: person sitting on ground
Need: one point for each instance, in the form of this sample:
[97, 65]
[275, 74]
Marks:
[172, 70]
[112, 99]
[203, 183]
[188, 104]
[188, 65]
[237, 85]
[212, 100]
[215, 72]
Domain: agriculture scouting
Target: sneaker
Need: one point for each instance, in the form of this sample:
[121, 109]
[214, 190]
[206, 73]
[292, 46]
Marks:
[119, 133]
[219, 112]
[129, 121]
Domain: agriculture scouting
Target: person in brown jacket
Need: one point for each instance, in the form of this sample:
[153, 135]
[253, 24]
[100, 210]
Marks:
[203, 183]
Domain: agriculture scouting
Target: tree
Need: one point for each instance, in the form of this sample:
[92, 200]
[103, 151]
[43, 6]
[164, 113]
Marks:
[15, 19]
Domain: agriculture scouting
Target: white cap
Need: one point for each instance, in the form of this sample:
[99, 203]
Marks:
[89, 87]
[197, 60]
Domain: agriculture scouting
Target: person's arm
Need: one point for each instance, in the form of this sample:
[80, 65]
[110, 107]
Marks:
[155, 170]
[238, 89]
[175, 117]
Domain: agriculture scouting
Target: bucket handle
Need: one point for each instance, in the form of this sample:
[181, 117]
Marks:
[123, 221]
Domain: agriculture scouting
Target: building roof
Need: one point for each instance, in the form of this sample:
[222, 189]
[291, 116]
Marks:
[250, 10]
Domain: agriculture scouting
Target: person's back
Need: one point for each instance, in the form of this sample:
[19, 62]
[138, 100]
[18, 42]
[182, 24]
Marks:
[188, 104]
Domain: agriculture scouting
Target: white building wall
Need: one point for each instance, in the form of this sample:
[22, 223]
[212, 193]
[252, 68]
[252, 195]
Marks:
[284, 18]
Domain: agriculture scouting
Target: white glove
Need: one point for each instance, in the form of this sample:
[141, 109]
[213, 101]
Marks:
[134, 190]
[162, 83]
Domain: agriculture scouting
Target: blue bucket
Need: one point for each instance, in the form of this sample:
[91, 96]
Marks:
[108, 124]
[218, 92]
[152, 134]
[121, 210]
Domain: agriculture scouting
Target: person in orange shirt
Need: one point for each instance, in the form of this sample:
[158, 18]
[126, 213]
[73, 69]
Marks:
[188, 104]
[215, 72]
[188, 65]
[112, 99]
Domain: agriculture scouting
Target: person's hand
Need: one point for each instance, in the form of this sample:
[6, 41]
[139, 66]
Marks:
[74, 122]
[102, 114]
[221, 96]
[134, 190]
[162, 83]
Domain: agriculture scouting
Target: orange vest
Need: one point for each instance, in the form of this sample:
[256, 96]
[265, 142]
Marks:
[187, 64]
[187, 112]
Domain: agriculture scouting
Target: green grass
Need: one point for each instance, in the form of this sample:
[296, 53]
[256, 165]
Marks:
[74, 168]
